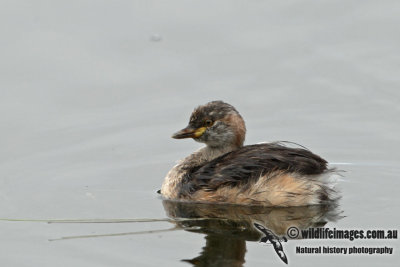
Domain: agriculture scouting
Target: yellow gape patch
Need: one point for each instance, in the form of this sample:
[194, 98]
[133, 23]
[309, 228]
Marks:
[199, 132]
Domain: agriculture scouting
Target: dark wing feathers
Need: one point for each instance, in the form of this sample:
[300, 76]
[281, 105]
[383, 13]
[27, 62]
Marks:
[249, 162]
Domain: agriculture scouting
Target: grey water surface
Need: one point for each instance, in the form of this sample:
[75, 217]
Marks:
[91, 91]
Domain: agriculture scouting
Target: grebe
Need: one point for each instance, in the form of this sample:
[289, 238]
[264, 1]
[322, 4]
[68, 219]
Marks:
[225, 171]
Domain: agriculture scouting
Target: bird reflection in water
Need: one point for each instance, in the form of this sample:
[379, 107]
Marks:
[228, 227]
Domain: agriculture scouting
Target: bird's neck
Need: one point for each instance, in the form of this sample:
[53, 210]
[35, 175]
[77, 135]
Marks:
[208, 153]
[173, 180]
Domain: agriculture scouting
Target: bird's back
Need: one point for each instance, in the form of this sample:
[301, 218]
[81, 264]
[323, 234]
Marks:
[253, 170]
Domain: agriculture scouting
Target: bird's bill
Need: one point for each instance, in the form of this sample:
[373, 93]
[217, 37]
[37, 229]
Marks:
[189, 132]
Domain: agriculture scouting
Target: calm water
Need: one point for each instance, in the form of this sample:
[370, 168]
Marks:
[92, 90]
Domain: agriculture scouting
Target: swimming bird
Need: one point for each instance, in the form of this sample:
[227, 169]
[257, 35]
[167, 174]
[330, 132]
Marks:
[226, 171]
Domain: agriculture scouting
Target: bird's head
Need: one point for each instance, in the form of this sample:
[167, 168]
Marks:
[217, 124]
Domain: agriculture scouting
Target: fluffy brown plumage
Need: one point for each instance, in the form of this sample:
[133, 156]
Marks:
[225, 171]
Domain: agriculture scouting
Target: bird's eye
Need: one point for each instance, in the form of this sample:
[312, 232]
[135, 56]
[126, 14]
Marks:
[208, 123]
